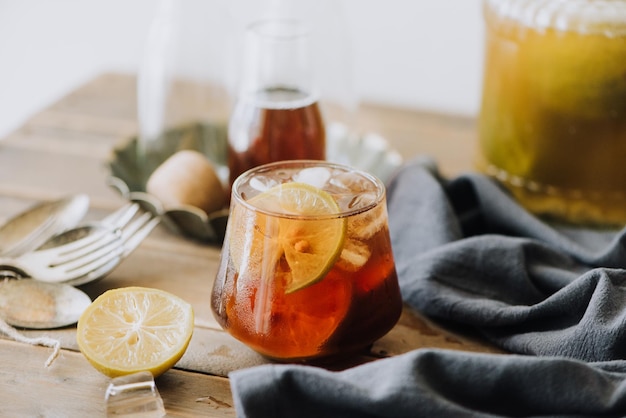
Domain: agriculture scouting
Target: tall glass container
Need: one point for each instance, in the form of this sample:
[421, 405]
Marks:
[276, 116]
[553, 117]
[183, 82]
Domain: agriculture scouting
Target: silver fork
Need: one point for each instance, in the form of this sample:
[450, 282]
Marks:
[132, 234]
[68, 261]
[91, 255]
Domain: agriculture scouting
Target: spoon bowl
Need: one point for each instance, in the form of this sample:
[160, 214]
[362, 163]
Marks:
[28, 303]
[31, 228]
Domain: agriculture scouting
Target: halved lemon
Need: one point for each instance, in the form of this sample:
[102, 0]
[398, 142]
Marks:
[135, 329]
[298, 251]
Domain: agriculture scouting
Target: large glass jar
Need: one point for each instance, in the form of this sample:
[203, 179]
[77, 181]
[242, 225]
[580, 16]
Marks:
[553, 116]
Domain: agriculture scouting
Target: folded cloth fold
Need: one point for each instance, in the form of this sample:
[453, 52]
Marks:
[435, 383]
[467, 252]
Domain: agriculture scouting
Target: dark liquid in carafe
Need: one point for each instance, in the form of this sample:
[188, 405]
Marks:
[279, 124]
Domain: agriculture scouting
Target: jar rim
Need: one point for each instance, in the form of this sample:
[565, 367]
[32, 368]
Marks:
[605, 17]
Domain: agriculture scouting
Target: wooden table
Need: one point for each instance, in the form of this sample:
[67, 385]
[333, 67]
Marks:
[63, 150]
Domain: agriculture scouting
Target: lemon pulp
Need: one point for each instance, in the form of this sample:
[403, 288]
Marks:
[133, 329]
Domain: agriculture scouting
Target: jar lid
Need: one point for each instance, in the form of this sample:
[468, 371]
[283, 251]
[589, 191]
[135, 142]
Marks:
[606, 17]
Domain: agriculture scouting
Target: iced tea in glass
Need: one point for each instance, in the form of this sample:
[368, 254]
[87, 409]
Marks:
[307, 269]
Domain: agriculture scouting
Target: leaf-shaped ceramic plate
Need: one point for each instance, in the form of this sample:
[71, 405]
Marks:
[131, 168]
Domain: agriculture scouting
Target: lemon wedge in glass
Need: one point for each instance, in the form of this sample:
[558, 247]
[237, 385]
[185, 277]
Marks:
[297, 235]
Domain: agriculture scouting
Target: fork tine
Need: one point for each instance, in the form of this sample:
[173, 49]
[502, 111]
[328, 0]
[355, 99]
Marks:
[135, 225]
[132, 235]
[122, 216]
[98, 256]
[132, 242]
[73, 246]
[80, 267]
[92, 269]
[99, 252]
[97, 271]
[116, 220]
[73, 252]
[97, 263]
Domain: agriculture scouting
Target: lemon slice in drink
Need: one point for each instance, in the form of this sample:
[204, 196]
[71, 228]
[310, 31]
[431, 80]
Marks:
[299, 251]
[135, 329]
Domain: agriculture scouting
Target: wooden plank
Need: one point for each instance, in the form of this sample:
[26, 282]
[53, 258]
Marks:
[37, 175]
[53, 142]
[449, 139]
[108, 104]
[211, 351]
[79, 122]
[110, 95]
[72, 388]
[187, 275]
[414, 331]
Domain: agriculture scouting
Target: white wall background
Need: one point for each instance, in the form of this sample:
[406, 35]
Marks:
[421, 54]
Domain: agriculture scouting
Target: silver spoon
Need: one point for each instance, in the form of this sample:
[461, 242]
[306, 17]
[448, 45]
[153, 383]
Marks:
[30, 229]
[33, 304]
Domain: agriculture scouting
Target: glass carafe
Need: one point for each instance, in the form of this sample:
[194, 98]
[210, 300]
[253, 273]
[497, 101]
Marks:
[553, 116]
[183, 85]
[276, 116]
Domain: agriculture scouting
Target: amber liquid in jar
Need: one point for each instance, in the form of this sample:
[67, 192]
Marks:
[553, 117]
[277, 124]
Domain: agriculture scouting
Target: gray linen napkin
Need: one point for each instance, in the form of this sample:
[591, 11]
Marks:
[435, 383]
[469, 254]
[466, 252]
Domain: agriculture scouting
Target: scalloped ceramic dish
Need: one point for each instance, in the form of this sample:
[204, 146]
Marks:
[129, 172]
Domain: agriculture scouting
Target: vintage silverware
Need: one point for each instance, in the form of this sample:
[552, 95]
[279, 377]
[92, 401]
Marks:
[84, 253]
[67, 261]
[133, 232]
[30, 229]
[33, 304]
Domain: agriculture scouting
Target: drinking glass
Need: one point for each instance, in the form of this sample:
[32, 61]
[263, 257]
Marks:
[307, 270]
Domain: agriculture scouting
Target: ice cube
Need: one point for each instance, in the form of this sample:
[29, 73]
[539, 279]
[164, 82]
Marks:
[353, 181]
[314, 176]
[352, 201]
[354, 255]
[365, 225]
[262, 183]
